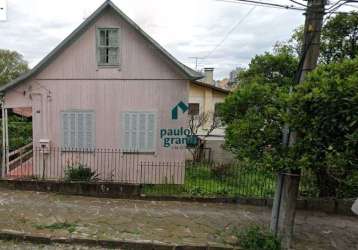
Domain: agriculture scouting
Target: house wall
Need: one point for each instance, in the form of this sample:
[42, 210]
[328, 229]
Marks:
[145, 81]
[206, 97]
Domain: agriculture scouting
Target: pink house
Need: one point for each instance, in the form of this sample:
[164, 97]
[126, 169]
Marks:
[107, 85]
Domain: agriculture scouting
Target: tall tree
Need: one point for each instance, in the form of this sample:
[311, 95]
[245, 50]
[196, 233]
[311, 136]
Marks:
[340, 38]
[12, 65]
[276, 68]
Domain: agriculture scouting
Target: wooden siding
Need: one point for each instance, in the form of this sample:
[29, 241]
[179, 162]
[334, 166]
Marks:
[73, 81]
[138, 59]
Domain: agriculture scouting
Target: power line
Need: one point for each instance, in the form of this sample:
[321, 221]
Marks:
[298, 3]
[266, 4]
[230, 31]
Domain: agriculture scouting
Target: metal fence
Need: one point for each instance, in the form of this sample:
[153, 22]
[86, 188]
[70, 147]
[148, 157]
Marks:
[205, 179]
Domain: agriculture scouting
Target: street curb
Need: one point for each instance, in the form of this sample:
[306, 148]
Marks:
[122, 244]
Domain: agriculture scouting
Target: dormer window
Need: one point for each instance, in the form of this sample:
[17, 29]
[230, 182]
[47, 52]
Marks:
[108, 47]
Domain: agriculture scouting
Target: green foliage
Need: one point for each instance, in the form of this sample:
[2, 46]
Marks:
[278, 68]
[70, 227]
[254, 116]
[323, 111]
[20, 131]
[80, 172]
[339, 38]
[254, 238]
[12, 65]
[211, 180]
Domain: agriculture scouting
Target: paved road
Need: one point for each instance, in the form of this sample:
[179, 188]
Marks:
[169, 222]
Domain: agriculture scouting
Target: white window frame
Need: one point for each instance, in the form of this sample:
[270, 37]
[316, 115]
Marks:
[136, 149]
[76, 147]
[98, 46]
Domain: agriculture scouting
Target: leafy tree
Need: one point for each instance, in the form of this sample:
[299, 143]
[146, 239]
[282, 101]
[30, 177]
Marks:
[324, 111]
[12, 65]
[340, 38]
[276, 68]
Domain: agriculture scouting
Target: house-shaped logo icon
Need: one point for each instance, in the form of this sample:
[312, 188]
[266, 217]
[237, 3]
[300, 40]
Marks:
[182, 106]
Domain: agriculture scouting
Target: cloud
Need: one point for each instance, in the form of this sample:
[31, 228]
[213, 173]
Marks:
[186, 28]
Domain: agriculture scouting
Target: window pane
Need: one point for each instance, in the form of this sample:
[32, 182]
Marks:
[194, 108]
[102, 37]
[113, 37]
[103, 57]
[112, 56]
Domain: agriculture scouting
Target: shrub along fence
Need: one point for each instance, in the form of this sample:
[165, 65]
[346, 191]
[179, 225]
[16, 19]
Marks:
[184, 179]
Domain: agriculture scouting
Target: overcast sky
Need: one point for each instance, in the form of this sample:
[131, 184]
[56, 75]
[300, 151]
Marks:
[186, 28]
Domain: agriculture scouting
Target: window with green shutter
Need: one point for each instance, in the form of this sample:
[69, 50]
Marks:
[138, 131]
[108, 46]
[78, 130]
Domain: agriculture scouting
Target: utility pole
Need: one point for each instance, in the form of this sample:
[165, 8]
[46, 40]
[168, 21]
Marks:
[284, 205]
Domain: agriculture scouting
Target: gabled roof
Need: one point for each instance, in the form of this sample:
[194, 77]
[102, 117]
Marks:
[188, 72]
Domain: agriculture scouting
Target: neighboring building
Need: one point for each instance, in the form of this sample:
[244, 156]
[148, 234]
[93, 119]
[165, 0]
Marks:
[107, 85]
[204, 97]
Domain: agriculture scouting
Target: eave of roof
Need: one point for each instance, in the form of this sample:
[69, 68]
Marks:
[188, 72]
[207, 85]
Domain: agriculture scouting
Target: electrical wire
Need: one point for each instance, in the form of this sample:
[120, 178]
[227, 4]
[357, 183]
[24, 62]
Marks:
[265, 4]
[229, 32]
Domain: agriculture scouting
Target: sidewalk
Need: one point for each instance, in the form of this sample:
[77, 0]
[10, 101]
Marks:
[53, 215]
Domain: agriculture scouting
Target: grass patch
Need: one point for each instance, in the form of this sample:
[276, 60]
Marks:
[255, 238]
[70, 227]
[208, 180]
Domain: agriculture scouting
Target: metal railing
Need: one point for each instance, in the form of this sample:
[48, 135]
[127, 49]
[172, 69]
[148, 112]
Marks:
[156, 178]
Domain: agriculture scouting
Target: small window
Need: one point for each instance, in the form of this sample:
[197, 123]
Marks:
[217, 109]
[194, 108]
[139, 131]
[108, 46]
[78, 130]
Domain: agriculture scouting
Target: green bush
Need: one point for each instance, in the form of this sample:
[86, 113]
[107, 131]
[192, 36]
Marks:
[255, 238]
[80, 172]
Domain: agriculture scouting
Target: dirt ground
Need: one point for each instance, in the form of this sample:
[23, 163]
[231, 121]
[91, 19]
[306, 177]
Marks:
[162, 221]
